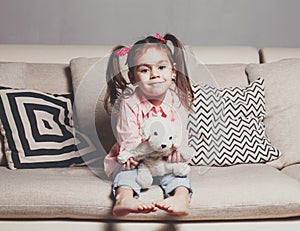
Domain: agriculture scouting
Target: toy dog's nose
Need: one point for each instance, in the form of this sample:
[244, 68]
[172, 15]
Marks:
[163, 146]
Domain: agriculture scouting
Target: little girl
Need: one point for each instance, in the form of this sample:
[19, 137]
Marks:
[162, 88]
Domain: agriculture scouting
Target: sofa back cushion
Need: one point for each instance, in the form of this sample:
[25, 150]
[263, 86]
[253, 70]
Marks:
[274, 54]
[228, 75]
[89, 84]
[11, 75]
[48, 77]
[282, 106]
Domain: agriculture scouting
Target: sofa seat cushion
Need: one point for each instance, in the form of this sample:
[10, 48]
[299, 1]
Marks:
[293, 171]
[247, 191]
[243, 192]
[237, 192]
[73, 192]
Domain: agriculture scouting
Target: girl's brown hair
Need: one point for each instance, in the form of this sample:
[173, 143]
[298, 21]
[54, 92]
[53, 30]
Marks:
[117, 84]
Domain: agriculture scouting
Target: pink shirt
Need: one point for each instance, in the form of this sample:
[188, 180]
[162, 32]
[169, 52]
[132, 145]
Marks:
[132, 112]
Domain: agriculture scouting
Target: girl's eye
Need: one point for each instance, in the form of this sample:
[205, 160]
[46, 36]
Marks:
[162, 67]
[144, 70]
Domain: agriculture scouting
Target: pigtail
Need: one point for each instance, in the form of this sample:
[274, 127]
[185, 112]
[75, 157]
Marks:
[182, 80]
[116, 82]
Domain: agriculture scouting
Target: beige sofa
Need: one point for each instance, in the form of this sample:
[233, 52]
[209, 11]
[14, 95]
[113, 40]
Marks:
[256, 196]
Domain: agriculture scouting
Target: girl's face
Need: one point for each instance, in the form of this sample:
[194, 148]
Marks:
[153, 73]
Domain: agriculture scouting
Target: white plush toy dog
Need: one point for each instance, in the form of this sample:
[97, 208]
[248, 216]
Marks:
[161, 139]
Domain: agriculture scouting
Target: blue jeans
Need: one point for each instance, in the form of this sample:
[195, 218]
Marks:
[168, 182]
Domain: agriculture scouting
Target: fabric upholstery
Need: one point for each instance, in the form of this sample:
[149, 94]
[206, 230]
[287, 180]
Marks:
[292, 171]
[48, 77]
[11, 75]
[282, 106]
[236, 192]
[58, 193]
[89, 83]
[228, 75]
[273, 54]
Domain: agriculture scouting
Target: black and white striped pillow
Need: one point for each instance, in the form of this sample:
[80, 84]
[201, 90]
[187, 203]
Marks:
[226, 126]
[38, 130]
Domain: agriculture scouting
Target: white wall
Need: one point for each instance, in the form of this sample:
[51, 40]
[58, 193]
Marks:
[197, 22]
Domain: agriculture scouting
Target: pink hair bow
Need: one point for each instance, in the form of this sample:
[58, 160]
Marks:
[123, 51]
[158, 36]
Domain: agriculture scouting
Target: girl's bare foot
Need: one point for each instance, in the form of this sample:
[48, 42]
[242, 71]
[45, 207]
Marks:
[125, 203]
[178, 204]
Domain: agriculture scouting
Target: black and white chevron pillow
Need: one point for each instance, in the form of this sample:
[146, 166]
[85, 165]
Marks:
[226, 126]
[38, 130]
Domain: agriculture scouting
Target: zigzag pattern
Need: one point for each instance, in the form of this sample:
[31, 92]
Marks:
[226, 126]
[245, 102]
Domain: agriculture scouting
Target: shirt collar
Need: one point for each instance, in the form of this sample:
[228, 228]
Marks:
[165, 106]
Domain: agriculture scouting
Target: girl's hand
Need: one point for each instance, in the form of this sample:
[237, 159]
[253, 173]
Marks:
[175, 157]
[130, 164]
